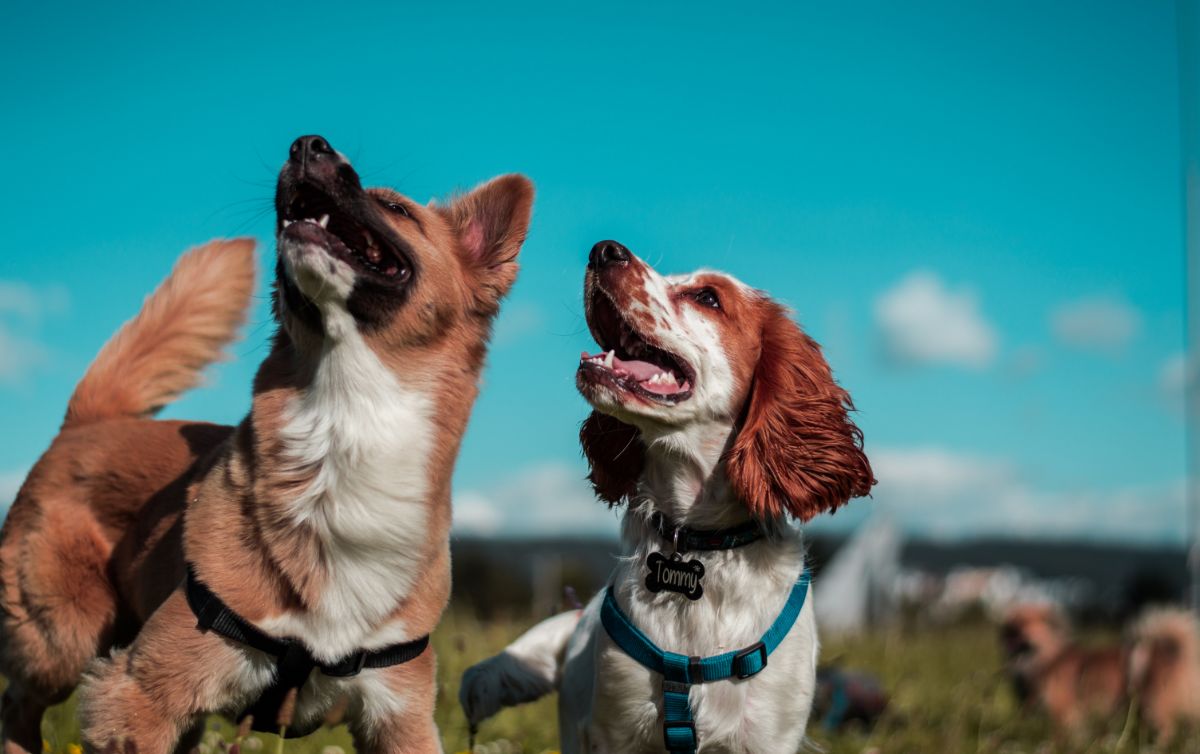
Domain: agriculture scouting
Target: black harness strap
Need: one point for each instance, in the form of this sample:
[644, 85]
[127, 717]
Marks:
[294, 662]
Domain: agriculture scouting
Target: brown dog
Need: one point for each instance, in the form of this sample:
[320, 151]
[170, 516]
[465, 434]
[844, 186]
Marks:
[323, 518]
[1164, 670]
[1074, 684]
[1157, 667]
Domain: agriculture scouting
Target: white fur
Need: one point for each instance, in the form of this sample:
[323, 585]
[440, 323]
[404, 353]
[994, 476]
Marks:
[608, 703]
[687, 333]
[368, 436]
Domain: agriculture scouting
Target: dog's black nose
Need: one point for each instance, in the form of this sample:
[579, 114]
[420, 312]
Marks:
[607, 253]
[308, 147]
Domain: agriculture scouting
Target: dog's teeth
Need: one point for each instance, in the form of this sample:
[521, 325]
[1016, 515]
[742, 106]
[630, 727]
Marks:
[324, 221]
[287, 222]
[608, 359]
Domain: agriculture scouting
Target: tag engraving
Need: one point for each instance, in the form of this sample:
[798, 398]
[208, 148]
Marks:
[675, 575]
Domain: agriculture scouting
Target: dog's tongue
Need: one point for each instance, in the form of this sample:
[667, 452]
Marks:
[641, 372]
[638, 370]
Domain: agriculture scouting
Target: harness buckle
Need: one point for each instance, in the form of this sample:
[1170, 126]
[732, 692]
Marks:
[740, 660]
[688, 726]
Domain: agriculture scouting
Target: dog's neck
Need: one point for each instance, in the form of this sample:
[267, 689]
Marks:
[684, 479]
[356, 482]
[684, 476]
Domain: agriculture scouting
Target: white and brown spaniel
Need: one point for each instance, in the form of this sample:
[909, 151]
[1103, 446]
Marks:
[717, 422]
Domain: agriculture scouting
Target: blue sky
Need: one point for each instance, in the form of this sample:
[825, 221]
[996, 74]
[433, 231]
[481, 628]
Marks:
[977, 210]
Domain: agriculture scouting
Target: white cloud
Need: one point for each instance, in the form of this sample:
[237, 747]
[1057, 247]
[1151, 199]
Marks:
[30, 302]
[1098, 323]
[922, 321]
[943, 493]
[24, 305]
[546, 499]
[19, 356]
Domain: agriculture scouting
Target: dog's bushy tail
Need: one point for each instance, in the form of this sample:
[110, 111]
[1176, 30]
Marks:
[181, 328]
[525, 671]
[1163, 639]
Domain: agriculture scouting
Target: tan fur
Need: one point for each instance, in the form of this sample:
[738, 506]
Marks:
[93, 552]
[1165, 669]
[182, 327]
[1158, 667]
[1073, 684]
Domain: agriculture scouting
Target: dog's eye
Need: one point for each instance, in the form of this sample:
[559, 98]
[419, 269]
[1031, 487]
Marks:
[708, 297]
[397, 208]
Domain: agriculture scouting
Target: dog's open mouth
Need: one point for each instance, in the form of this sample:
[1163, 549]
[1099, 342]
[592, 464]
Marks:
[312, 216]
[629, 362]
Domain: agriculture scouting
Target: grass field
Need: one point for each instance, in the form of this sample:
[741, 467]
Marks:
[948, 697]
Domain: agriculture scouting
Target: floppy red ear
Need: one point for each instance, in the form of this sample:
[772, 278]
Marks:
[491, 222]
[796, 452]
[615, 456]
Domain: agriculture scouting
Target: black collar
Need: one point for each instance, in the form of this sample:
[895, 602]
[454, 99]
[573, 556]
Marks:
[684, 538]
[294, 662]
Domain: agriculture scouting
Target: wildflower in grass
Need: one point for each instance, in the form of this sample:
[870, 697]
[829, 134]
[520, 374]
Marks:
[287, 710]
[46, 746]
[244, 728]
[74, 749]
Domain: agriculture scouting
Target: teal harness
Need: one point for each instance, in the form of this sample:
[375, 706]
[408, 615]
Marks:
[680, 672]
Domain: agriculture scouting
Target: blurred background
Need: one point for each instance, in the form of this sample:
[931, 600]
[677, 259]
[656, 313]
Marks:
[978, 210]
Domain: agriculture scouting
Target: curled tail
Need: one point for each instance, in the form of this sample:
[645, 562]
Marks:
[525, 671]
[181, 328]
[1164, 640]
[1164, 669]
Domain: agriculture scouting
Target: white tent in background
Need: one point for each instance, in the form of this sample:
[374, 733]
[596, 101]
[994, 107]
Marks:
[856, 590]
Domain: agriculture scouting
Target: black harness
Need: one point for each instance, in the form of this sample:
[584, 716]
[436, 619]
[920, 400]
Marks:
[294, 663]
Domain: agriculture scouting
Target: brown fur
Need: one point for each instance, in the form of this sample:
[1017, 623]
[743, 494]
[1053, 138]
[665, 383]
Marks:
[796, 451]
[92, 554]
[1074, 684]
[159, 354]
[1158, 667]
[615, 456]
[1164, 669]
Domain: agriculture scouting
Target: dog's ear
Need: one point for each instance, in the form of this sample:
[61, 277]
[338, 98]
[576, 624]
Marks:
[796, 451]
[615, 456]
[491, 222]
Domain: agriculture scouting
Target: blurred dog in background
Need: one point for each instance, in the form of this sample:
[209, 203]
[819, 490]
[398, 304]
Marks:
[1156, 667]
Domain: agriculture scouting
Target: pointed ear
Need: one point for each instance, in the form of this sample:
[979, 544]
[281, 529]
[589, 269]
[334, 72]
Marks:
[491, 222]
[615, 456]
[797, 452]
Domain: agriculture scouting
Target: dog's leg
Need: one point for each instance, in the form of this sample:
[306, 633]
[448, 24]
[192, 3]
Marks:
[57, 610]
[150, 694]
[395, 713]
[525, 671]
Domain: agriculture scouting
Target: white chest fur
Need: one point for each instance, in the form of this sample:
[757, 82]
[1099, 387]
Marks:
[744, 591]
[368, 438]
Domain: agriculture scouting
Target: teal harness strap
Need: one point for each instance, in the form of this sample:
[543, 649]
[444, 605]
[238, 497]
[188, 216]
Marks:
[679, 672]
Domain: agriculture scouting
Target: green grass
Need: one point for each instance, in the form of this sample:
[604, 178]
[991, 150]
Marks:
[948, 697]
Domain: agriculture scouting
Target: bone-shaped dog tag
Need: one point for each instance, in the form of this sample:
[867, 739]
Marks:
[674, 574]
